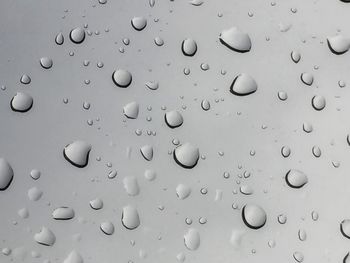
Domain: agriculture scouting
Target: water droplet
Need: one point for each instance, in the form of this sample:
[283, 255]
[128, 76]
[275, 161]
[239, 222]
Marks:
[307, 127]
[63, 213]
[282, 219]
[46, 62]
[130, 217]
[183, 191]
[307, 78]
[316, 151]
[150, 175]
[34, 194]
[285, 151]
[345, 228]
[302, 235]
[77, 35]
[107, 227]
[298, 256]
[296, 178]
[131, 185]
[296, 56]
[192, 239]
[236, 40]
[35, 174]
[243, 85]
[96, 204]
[59, 39]
[6, 174]
[25, 79]
[131, 110]
[139, 23]
[205, 104]
[173, 119]
[45, 237]
[77, 153]
[254, 216]
[74, 257]
[318, 102]
[21, 102]
[338, 44]
[23, 213]
[147, 152]
[282, 95]
[186, 155]
[189, 47]
[122, 78]
[152, 85]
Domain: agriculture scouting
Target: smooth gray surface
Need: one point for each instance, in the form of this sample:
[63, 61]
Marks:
[234, 125]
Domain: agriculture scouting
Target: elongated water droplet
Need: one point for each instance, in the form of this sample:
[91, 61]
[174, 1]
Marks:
[152, 85]
[130, 217]
[236, 40]
[189, 47]
[296, 56]
[63, 213]
[192, 239]
[77, 153]
[107, 227]
[205, 104]
[6, 174]
[59, 39]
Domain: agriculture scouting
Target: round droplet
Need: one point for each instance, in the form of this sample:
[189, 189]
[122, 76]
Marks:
[150, 175]
[122, 78]
[77, 35]
[307, 127]
[46, 62]
[296, 178]
[189, 47]
[173, 119]
[282, 95]
[236, 40]
[6, 174]
[318, 102]
[139, 23]
[21, 102]
[35, 174]
[307, 78]
[192, 239]
[254, 216]
[77, 153]
[96, 204]
[130, 217]
[25, 79]
[338, 44]
[243, 85]
[186, 155]
[107, 228]
[285, 151]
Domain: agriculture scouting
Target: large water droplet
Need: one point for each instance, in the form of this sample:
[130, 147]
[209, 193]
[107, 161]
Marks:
[243, 85]
[186, 155]
[131, 110]
[77, 35]
[173, 119]
[338, 44]
[307, 78]
[77, 153]
[254, 216]
[130, 217]
[189, 47]
[21, 102]
[63, 213]
[139, 23]
[122, 78]
[318, 102]
[46, 62]
[45, 237]
[236, 40]
[192, 239]
[296, 178]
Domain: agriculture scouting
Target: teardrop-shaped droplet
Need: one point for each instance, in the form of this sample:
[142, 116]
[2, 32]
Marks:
[186, 155]
[236, 40]
[63, 213]
[6, 174]
[243, 85]
[21, 102]
[307, 78]
[74, 257]
[77, 35]
[131, 110]
[183, 191]
[192, 239]
[130, 217]
[59, 39]
[45, 237]
[46, 62]
[296, 178]
[338, 44]
[302, 235]
[189, 47]
[25, 79]
[77, 153]
[318, 102]
[173, 119]
[296, 56]
[147, 152]
[139, 23]
[254, 216]
[107, 227]
[122, 78]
